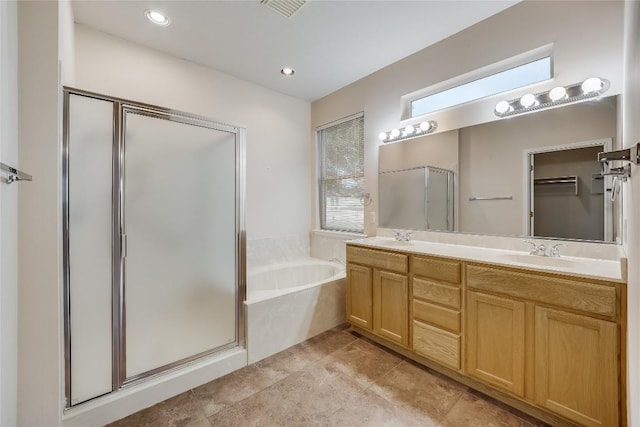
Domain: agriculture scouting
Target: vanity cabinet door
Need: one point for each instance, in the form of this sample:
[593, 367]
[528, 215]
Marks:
[360, 296]
[496, 341]
[391, 306]
[576, 367]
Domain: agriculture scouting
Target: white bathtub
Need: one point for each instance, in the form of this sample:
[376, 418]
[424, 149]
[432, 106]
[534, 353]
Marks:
[290, 302]
[294, 276]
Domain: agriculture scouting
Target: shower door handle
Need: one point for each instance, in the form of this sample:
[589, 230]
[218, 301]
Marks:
[123, 245]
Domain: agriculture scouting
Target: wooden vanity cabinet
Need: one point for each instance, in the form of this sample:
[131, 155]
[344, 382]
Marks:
[436, 310]
[576, 367]
[378, 293]
[570, 341]
[360, 295]
[496, 341]
[390, 306]
[544, 341]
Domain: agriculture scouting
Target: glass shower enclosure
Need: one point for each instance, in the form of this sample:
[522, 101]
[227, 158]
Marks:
[153, 241]
[420, 198]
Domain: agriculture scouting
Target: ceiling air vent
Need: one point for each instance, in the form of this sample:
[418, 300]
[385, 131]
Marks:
[285, 8]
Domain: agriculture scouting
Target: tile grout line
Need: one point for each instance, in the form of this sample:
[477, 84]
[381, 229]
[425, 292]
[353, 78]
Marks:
[195, 397]
[384, 375]
[273, 383]
[444, 416]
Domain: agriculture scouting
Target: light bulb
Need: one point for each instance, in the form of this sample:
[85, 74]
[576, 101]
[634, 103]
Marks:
[502, 107]
[287, 71]
[528, 100]
[157, 18]
[592, 84]
[395, 133]
[425, 126]
[382, 136]
[557, 93]
[408, 130]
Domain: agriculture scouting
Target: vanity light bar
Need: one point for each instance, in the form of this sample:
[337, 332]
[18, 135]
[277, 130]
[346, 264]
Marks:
[409, 131]
[590, 88]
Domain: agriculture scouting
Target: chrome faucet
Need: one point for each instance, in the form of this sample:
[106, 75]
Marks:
[541, 249]
[400, 237]
[554, 251]
[631, 155]
[536, 249]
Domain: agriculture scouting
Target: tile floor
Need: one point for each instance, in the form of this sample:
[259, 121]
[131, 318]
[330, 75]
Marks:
[334, 379]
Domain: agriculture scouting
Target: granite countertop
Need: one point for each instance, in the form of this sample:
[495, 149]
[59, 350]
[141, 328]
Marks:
[591, 268]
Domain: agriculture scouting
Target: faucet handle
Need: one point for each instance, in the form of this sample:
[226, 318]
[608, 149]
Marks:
[397, 234]
[534, 247]
[554, 251]
[407, 236]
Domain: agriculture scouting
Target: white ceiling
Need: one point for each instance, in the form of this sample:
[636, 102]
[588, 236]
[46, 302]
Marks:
[330, 43]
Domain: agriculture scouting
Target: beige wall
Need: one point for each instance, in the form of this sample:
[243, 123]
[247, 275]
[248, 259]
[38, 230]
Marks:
[39, 335]
[631, 135]
[439, 150]
[525, 26]
[492, 160]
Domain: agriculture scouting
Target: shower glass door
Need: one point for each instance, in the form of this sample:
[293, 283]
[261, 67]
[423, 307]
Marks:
[179, 221]
[153, 241]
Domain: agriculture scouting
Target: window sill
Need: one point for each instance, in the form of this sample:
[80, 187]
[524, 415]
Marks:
[338, 234]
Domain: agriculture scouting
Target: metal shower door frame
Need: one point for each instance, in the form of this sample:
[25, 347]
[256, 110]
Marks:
[120, 108]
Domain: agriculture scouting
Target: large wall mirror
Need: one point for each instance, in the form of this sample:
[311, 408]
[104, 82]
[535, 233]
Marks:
[530, 175]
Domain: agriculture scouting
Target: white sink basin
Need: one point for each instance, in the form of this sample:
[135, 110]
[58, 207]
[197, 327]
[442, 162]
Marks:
[540, 260]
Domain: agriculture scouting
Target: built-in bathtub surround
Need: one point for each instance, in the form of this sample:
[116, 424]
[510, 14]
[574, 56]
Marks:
[290, 302]
[330, 244]
[273, 250]
[583, 249]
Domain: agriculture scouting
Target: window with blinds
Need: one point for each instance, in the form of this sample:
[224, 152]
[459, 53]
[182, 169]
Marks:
[341, 154]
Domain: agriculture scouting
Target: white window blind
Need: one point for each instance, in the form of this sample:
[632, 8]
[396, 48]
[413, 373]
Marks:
[341, 154]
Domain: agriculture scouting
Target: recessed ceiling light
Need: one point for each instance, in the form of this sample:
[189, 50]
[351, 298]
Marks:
[286, 71]
[157, 18]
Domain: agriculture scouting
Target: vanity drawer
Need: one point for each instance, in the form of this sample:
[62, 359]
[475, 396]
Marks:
[379, 259]
[436, 344]
[436, 292]
[436, 315]
[574, 294]
[437, 269]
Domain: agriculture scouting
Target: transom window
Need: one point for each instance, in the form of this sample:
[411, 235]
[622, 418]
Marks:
[341, 166]
[533, 71]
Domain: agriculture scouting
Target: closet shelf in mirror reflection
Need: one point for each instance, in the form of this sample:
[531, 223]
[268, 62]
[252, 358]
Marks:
[474, 199]
[563, 180]
[590, 88]
[409, 131]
